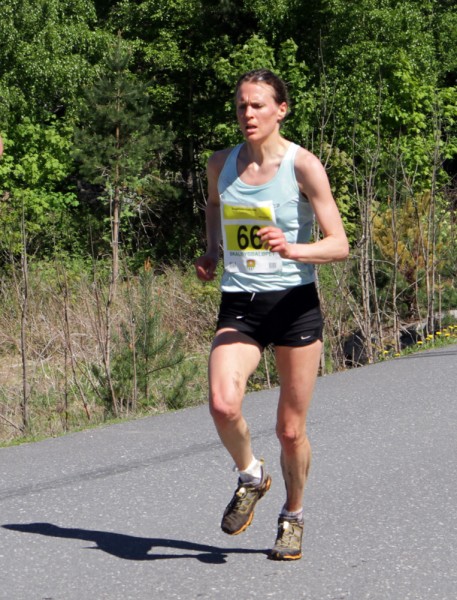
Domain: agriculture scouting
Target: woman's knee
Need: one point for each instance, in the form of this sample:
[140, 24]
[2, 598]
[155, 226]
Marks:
[226, 397]
[291, 437]
[224, 408]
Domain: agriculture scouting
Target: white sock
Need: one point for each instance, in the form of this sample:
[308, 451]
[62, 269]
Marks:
[253, 473]
[297, 514]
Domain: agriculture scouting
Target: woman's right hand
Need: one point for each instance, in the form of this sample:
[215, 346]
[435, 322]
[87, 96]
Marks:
[205, 267]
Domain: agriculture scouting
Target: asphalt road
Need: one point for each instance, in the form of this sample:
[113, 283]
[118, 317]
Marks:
[132, 511]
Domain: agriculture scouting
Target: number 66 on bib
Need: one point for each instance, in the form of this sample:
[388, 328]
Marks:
[243, 249]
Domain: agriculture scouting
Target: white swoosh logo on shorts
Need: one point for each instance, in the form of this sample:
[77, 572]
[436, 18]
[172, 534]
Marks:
[305, 337]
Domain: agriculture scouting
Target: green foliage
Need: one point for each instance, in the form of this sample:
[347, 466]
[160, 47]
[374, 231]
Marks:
[37, 156]
[373, 90]
[48, 49]
[36, 161]
[340, 168]
[353, 88]
[116, 145]
[116, 139]
[149, 367]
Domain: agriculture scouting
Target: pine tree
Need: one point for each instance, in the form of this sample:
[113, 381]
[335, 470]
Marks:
[115, 145]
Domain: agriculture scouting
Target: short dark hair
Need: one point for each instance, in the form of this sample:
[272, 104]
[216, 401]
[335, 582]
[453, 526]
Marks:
[266, 76]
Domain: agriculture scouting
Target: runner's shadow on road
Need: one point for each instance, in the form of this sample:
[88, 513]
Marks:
[130, 547]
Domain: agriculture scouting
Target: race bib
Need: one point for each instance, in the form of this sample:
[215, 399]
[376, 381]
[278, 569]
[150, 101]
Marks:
[243, 249]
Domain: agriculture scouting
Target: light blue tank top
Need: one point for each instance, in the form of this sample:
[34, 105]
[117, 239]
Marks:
[294, 215]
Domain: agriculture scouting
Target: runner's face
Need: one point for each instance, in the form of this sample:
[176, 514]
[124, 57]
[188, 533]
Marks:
[258, 113]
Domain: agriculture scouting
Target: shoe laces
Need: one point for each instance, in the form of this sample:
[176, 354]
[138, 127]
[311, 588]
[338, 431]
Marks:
[289, 533]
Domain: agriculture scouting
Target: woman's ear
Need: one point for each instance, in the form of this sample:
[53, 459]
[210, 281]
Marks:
[282, 111]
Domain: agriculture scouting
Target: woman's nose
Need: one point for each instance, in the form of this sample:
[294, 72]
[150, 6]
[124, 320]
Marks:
[248, 111]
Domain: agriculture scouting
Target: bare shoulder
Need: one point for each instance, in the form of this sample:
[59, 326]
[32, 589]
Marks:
[307, 163]
[310, 172]
[217, 160]
[213, 170]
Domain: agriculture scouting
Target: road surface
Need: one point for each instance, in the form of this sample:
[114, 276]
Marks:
[132, 510]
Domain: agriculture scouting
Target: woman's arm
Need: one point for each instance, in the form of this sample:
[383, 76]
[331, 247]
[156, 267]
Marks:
[314, 184]
[206, 265]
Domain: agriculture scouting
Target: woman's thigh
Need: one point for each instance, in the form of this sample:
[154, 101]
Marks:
[297, 368]
[234, 357]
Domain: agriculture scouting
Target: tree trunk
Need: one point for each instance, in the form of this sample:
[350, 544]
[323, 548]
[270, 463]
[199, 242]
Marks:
[24, 317]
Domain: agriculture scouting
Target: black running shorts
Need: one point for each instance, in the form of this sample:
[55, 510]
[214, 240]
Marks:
[289, 317]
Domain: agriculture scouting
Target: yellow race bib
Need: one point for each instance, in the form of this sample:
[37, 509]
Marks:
[243, 249]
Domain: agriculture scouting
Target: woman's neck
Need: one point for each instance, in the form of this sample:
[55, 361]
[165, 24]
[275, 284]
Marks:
[265, 151]
[258, 163]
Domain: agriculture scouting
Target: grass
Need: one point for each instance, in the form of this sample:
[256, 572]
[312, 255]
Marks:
[67, 387]
[445, 337]
[164, 316]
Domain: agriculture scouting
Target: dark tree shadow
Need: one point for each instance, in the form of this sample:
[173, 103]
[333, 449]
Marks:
[130, 547]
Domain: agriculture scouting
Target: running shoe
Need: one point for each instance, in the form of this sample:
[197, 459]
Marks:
[240, 511]
[288, 541]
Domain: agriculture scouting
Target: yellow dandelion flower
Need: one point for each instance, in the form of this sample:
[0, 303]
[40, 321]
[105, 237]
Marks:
[419, 343]
[438, 333]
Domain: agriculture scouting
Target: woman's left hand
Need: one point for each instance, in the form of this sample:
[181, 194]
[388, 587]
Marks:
[273, 239]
